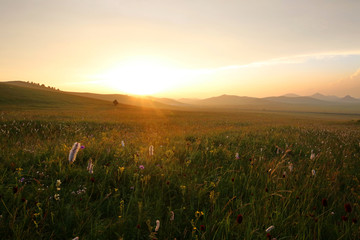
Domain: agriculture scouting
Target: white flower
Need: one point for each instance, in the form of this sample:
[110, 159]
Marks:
[157, 225]
[151, 150]
[237, 156]
[269, 228]
[75, 238]
[313, 172]
[123, 143]
[73, 152]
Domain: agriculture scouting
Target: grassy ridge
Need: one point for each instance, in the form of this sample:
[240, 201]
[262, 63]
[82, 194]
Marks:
[192, 174]
[23, 97]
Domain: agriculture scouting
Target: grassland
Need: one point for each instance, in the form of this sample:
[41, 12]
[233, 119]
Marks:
[298, 173]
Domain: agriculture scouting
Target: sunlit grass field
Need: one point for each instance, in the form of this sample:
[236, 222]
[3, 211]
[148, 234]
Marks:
[161, 174]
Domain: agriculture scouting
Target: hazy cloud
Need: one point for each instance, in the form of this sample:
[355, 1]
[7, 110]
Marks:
[349, 85]
[290, 60]
[355, 75]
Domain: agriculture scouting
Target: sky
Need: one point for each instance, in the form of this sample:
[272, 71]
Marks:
[187, 48]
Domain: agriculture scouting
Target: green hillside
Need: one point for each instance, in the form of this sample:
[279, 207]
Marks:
[23, 97]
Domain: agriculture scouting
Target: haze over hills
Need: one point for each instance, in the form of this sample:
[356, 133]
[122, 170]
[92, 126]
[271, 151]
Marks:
[18, 92]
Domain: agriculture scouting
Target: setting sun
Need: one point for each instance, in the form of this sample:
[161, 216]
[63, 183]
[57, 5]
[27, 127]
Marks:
[142, 76]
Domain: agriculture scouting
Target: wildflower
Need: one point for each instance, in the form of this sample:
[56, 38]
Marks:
[202, 228]
[22, 179]
[291, 167]
[269, 228]
[57, 197]
[324, 202]
[121, 208]
[213, 196]
[121, 169]
[82, 147]
[75, 238]
[122, 143]
[199, 214]
[141, 167]
[239, 218]
[183, 189]
[151, 150]
[284, 174]
[268, 235]
[157, 225]
[313, 172]
[237, 156]
[73, 152]
[58, 183]
[312, 156]
[172, 216]
[347, 207]
[92, 179]
[90, 166]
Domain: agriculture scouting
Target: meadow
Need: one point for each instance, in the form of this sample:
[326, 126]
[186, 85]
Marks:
[162, 174]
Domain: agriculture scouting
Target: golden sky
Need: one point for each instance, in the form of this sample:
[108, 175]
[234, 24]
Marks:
[188, 48]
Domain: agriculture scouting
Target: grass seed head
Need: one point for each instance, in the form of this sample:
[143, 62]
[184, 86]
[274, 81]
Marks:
[73, 152]
[90, 166]
[269, 228]
[151, 150]
[157, 225]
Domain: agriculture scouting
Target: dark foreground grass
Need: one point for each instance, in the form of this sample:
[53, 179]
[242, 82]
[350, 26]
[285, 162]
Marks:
[299, 175]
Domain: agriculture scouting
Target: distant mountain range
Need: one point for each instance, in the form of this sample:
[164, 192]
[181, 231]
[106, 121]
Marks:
[289, 102]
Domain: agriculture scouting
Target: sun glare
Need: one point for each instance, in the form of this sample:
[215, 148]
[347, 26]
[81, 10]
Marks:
[142, 77]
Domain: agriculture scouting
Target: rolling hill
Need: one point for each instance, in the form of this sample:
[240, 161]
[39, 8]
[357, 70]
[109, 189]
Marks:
[150, 102]
[16, 96]
[19, 94]
[289, 103]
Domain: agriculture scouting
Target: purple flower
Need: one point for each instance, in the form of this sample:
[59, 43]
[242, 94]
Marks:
[82, 147]
[22, 179]
[141, 167]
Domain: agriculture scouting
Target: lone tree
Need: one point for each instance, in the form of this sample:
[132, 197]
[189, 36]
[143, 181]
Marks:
[115, 102]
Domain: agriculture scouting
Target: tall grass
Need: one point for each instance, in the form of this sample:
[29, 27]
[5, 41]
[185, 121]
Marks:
[190, 185]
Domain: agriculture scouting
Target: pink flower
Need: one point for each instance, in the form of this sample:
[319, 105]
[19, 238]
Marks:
[141, 167]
